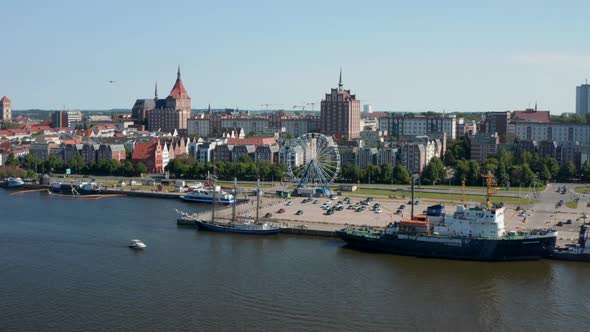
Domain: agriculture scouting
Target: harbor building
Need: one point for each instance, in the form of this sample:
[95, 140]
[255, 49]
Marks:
[6, 106]
[340, 113]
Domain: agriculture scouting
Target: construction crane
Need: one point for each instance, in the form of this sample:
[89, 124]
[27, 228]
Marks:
[302, 107]
[312, 106]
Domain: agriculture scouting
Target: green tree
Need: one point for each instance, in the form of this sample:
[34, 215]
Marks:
[128, 169]
[553, 166]
[473, 175]
[434, 172]
[586, 171]
[545, 174]
[401, 175]
[11, 160]
[140, 168]
[386, 173]
[567, 171]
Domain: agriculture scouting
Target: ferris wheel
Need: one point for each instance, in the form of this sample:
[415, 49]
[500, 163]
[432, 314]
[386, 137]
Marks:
[313, 161]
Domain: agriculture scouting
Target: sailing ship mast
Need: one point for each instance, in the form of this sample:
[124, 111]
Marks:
[233, 210]
[257, 198]
[212, 183]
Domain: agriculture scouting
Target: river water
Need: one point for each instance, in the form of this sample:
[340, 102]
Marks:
[65, 265]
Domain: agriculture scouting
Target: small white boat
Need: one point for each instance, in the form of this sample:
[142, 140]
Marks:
[136, 244]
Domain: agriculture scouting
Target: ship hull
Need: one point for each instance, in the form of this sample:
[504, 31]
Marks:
[205, 200]
[458, 248]
[75, 191]
[572, 257]
[228, 229]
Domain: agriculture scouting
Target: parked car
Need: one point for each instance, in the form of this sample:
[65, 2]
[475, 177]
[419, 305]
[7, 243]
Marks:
[281, 211]
[289, 203]
[569, 222]
[298, 213]
[316, 201]
[559, 223]
[401, 207]
[268, 215]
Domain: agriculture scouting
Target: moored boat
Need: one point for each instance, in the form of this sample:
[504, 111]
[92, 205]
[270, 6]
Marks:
[475, 233]
[12, 182]
[75, 189]
[248, 227]
[206, 197]
[577, 252]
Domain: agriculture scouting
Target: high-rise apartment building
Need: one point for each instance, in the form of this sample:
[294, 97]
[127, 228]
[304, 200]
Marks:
[66, 119]
[583, 99]
[340, 113]
[6, 106]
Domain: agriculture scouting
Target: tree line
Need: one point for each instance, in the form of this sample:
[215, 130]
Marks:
[77, 165]
[184, 167]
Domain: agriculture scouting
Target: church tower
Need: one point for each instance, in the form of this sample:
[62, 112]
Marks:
[6, 106]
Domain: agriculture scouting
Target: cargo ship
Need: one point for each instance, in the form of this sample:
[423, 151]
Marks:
[576, 252]
[475, 233]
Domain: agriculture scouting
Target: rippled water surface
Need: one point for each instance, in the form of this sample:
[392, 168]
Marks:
[65, 265]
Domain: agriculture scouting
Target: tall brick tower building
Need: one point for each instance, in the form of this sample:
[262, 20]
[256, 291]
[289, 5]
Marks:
[340, 113]
[6, 106]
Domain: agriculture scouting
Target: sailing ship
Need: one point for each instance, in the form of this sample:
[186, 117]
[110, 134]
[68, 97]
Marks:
[475, 233]
[247, 226]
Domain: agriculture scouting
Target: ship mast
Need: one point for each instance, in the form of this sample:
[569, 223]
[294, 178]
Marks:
[233, 212]
[257, 198]
[212, 182]
[412, 210]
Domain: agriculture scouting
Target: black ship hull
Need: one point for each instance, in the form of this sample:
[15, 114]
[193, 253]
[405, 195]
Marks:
[74, 190]
[458, 248]
[568, 256]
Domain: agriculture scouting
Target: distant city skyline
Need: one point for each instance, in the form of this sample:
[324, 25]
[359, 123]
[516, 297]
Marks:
[456, 56]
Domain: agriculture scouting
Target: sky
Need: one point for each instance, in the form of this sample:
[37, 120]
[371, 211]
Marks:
[396, 55]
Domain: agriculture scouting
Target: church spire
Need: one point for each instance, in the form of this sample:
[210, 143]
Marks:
[156, 91]
[340, 80]
[178, 74]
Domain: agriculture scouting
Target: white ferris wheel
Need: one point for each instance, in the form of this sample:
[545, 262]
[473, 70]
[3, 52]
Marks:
[313, 161]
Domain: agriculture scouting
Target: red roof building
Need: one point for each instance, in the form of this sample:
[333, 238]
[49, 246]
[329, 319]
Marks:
[531, 115]
[150, 154]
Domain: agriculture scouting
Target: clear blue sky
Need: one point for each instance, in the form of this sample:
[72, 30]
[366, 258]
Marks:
[396, 55]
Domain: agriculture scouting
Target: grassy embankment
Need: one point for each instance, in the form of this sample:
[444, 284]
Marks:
[582, 189]
[572, 204]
